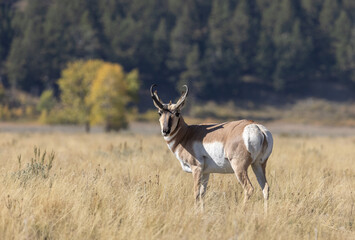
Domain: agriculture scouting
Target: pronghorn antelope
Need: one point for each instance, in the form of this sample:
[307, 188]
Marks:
[215, 148]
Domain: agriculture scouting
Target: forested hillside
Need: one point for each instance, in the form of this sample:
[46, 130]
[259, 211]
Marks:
[224, 49]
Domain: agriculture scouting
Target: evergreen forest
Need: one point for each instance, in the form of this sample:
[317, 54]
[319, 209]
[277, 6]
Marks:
[223, 49]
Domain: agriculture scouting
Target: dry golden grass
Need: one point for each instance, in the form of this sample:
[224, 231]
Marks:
[121, 186]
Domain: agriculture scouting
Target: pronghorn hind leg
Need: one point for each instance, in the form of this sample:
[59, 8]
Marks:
[240, 167]
[266, 188]
[259, 170]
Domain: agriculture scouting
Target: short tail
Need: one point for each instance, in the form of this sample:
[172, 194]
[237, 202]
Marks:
[268, 144]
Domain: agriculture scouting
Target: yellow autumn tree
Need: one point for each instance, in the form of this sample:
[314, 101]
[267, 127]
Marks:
[97, 92]
[75, 85]
[111, 91]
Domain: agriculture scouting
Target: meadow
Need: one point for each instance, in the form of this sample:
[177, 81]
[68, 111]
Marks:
[130, 186]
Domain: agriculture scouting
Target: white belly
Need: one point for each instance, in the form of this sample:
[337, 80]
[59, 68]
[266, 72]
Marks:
[212, 156]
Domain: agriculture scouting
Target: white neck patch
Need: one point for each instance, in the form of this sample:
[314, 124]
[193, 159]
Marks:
[170, 145]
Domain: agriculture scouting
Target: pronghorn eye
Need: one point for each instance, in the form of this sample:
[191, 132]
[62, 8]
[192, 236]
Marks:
[177, 114]
[159, 113]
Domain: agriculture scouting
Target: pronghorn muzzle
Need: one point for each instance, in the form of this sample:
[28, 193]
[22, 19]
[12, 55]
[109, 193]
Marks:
[167, 125]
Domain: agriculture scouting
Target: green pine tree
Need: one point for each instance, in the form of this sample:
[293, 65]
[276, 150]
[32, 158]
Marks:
[192, 75]
[6, 32]
[27, 60]
[161, 47]
[244, 28]
[293, 59]
[220, 63]
[265, 59]
[328, 15]
[345, 54]
[180, 42]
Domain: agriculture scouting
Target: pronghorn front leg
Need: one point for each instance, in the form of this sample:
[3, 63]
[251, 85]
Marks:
[204, 181]
[197, 175]
[200, 184]
[203, 187]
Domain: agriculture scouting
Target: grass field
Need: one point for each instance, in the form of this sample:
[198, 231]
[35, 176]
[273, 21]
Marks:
[126, 186]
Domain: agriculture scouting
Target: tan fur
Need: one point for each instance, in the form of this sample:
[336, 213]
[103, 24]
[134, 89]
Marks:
[181, 138]
[230, 134]
[207, 133]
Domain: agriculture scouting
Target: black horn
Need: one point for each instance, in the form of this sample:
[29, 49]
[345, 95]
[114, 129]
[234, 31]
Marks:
[154, 97]
[182, 98]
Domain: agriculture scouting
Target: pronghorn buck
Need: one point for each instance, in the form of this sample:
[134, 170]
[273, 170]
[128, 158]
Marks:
[215, 148]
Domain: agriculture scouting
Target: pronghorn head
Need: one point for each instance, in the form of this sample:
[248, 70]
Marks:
[169, 113]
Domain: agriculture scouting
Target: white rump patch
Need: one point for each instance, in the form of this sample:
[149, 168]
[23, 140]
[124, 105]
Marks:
[253, 140]
[254, 137]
